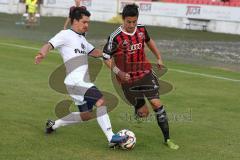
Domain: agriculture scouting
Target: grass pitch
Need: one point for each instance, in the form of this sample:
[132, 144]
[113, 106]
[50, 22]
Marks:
[203, 110]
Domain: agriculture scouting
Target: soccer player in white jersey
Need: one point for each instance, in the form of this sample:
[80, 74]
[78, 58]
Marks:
[75, 50]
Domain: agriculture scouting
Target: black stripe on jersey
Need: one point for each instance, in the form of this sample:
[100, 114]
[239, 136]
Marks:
[51, 45]
[147, 37]
[91, 51]
[142, 54]
[124, 54]
[131, 54]
[138, 54]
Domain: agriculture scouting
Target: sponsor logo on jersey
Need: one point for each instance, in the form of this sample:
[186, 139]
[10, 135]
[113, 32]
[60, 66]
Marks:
[131, 47]
[135, 47]
[79, 51]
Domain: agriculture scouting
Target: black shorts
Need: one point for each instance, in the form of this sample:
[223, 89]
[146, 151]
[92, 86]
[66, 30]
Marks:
[147, 87]
[90, 98]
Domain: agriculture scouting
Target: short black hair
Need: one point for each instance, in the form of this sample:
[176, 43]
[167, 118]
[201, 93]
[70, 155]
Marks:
[78, 12]
[130, 10]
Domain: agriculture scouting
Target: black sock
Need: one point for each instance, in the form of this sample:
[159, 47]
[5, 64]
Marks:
[162, 120]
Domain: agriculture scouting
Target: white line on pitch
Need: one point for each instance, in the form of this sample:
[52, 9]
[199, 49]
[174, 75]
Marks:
[204, 75]
[171, 69]
[21, 46]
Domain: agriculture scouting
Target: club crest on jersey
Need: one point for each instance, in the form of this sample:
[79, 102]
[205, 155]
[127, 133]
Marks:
[83, 46]
[125, 43]
[141, 35]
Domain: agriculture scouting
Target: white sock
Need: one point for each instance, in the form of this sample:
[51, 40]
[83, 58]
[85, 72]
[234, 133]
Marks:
[72, 118]
[104, 122]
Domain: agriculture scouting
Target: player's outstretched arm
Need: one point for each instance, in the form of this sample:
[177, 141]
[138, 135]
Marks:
[152, 46]
[96, 53]
[43, 53]
[111, 65]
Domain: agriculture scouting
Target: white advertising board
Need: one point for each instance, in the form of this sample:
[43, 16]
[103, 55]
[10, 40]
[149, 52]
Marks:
[4, 1]
[222, 13]
[92, 5]
[213, 12]
[58, 3]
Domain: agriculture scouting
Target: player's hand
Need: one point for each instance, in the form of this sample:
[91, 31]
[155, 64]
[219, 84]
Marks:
[39, 57]
[160, 64]
[124, 76]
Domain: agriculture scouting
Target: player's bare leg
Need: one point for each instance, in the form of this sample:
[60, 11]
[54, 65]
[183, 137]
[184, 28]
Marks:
[143, 111]
[72, 118]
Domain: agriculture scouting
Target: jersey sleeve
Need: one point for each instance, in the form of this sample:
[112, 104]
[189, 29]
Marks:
[147, 37]
[58, 40]
[110, 48]
[89, 48]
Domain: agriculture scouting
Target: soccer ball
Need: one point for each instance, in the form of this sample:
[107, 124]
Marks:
[130, 143]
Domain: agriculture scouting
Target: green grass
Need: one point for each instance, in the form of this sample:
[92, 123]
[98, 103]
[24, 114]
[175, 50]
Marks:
[204, 112]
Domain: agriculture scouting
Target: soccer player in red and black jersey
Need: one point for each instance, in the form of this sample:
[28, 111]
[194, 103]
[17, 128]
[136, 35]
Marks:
[77, 4]
[124, 54]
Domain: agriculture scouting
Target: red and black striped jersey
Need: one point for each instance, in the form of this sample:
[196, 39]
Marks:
[127, 50]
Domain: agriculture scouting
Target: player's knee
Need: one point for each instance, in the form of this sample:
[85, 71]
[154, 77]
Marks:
[155, 103]
[94, 97]
[86, 116]
[100, 102]
[143, 114]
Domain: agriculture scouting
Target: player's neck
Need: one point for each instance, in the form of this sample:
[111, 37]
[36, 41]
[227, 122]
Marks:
[74, 29]
[124, 29]
[127, 32]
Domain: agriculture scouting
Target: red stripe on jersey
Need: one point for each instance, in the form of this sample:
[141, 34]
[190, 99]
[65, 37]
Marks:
[138, 54]
[135, 56]
[126, 53]
[119, 58]
[140, 51]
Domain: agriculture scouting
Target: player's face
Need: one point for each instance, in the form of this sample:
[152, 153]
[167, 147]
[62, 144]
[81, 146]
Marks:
[83, 24]
[130, 23]
[77, 2]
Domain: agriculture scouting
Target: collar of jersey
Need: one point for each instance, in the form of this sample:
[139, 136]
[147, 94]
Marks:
[130, 34]
[81, 34]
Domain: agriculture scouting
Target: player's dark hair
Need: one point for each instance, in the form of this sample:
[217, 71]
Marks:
[130, 10]
[78, 12]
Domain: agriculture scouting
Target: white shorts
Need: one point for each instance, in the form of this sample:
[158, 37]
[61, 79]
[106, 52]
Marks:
[77, 84]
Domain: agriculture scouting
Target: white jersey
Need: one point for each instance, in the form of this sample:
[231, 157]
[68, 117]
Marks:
[71, 44]
[74, 50]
